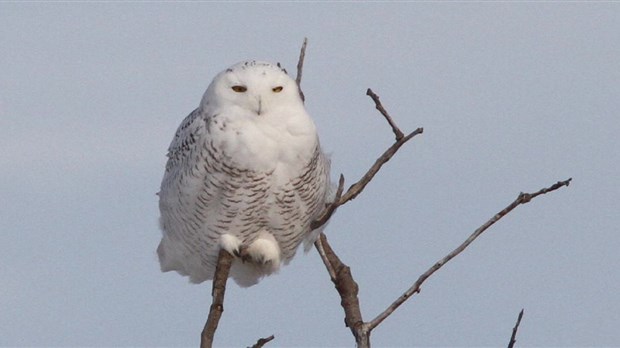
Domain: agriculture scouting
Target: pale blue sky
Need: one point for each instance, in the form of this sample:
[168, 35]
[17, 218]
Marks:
[512, 97]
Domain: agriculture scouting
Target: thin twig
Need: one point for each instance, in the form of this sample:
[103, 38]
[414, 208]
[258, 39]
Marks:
[262, 341]
[318, 244]
[300, 67]
[359, 186]
[222, 269]
[513, 337]
[401, 139]
[340, 273]
[331, 208]
[397, 132]
[415, 288]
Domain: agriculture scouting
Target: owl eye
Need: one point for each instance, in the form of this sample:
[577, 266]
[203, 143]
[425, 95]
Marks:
[277, 89]
[239, 89]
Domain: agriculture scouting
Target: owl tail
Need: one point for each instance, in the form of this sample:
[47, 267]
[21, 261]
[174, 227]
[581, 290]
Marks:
[169, 258]
[246, 274]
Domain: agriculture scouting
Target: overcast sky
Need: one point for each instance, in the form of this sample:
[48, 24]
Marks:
[512, 97]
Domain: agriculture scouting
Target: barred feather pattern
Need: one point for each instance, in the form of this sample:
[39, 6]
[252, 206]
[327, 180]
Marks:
[205, 194]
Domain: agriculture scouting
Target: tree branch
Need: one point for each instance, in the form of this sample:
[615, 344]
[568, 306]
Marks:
[523, 198]
[300, 67]
[340, 273]
[347, 289]
[318, 244]
[224, 262]
[355, 189]
[359, 186]
[513, 338]
[330, 209]
[397, 132]
[262, 341]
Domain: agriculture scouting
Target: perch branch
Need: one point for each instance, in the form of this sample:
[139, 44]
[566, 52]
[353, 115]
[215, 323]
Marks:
[222, 269]
[415, 288]
[513, 337]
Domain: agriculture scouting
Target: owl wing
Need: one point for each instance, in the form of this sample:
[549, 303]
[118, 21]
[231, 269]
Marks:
[182, 144]
[174, 202]
[202, 197]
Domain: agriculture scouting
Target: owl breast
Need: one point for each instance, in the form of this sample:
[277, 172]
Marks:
[245, 178]
[267, 143]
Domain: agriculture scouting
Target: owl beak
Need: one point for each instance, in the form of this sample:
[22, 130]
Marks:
[260, 106]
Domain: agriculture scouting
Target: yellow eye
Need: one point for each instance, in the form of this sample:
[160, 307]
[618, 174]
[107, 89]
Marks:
[277, 89]
[239, 89]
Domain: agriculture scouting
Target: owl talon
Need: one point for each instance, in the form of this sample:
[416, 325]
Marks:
[243, 254]
[231, 244]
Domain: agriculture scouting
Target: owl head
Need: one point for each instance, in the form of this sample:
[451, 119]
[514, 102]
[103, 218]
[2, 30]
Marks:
[256, 87]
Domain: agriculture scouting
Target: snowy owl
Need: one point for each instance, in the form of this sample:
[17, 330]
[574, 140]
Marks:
[245, 173]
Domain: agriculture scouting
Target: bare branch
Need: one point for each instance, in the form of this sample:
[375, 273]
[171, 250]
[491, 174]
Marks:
[300, 67]
[222, 269]
[513, 338]
[529, 196]
[355, 189]
[262, 341]
[330, 209]
[415, 288]
[401, 139]
[318, 244]
[359, 186]
[339, 272]
[397, 132]
[347, 289]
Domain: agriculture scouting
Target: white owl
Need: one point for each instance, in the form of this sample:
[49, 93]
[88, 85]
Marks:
[245, 173]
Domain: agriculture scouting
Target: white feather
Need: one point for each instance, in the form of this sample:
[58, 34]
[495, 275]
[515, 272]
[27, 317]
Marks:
[245, 169]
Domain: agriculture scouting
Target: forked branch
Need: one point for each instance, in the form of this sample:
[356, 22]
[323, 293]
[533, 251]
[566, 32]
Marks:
[340, 273]
[523, 198]
[347, 289]
[359, 186]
